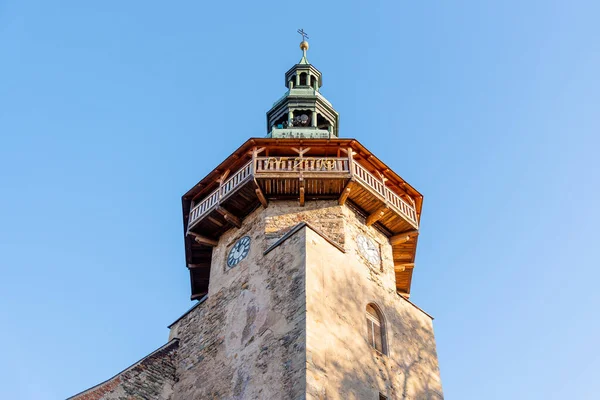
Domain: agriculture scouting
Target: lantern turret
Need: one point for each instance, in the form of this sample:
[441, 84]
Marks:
[303, 112]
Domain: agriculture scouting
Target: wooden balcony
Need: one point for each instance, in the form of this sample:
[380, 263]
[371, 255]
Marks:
[267, 169]
[226, 189]
[304, 178]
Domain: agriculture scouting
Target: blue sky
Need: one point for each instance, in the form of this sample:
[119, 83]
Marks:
[110, 111]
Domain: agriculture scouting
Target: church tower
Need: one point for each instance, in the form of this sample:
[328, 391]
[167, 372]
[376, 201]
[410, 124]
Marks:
[300, 248]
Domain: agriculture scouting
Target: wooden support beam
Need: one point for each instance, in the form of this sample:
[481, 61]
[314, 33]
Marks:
[376, 216]
[350, 154]
[244, 196]
[301, 151]
[402, 267]
[403, 237]
[301, 184]
[229, 217]
[261, 197]
[203, 239]
[215, 221]
[223, 176]
[399, 239]
[351, 162]
[381, 177]
[204, 268]
[403, 258]
[256, 151]
[347, 151]
[345, 193]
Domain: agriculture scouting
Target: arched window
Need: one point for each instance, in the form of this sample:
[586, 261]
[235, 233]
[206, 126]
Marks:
[313, 82]
[375, 329]
[303, 77]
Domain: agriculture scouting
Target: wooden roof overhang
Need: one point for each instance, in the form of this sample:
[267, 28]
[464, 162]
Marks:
[255, 186]
[243, 154]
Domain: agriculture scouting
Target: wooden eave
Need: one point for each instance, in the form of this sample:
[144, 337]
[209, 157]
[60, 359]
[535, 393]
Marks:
[242, 155]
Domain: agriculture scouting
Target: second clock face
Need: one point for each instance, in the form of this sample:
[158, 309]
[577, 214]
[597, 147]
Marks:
[368, 249]
[238, 252]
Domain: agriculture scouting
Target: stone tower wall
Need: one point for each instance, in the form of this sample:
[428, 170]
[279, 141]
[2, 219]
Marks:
[340, 362]
[288, 322]
[247, 340]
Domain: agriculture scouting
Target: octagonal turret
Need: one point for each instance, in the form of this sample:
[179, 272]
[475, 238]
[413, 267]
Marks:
[303, 111]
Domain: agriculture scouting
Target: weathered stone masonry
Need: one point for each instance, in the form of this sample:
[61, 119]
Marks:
[247, 340]
[152, 377]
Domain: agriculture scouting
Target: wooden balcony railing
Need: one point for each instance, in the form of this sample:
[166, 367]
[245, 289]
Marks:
[405, 209]
[236, 180]
[368, 179]
[212, 201]
[302, 164]
[204, 207]
[263, 167]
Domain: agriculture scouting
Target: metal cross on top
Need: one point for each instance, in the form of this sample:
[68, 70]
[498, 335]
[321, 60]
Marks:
[304, 35]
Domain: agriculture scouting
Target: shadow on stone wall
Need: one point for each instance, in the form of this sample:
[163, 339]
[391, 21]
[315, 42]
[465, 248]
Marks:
[409, 371]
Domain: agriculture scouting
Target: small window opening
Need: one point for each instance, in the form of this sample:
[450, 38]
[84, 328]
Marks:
[303, 78]
[302, 118]
[322, 123]
[281, 122]
[375, 329]
[292, 82]
[382, 397]
[313, 82]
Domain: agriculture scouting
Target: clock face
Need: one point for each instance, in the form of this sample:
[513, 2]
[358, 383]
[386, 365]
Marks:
[368, 249]
[238, 252]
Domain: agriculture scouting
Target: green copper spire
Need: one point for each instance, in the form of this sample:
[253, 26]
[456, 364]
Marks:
[303, 112]
[304, 47]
